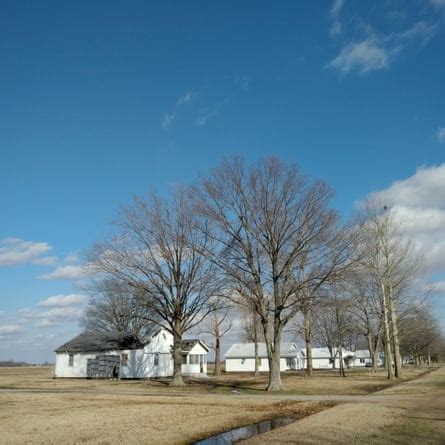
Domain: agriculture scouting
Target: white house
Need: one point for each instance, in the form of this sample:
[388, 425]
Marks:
[240, 357]
[322, 359]
[95, 355]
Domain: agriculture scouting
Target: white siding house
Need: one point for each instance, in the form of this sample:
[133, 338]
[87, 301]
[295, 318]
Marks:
[240, 357]
[97, 354]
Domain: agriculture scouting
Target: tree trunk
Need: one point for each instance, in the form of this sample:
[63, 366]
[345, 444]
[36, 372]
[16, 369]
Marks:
[372, 351]
[340, 361]
[308, 341]
[217, 370]
[256, 356]
[395, 337]
[177, 360]
[388, 354]
[273, 355]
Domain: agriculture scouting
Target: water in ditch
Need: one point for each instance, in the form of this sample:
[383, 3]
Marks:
[245, 432]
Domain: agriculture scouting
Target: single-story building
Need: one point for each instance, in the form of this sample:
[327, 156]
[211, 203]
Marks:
[240, 357]
[323, 359]
[100, 355]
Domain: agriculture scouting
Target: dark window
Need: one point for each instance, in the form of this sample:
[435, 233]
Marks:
[156, 361]
[71, 360]
[194, 359]
[124, 359]
[184, 359]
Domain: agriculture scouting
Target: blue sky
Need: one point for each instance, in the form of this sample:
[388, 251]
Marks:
[102, 100]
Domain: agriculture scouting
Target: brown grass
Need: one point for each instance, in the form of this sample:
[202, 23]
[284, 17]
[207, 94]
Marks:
[357, 382]
[105, 412]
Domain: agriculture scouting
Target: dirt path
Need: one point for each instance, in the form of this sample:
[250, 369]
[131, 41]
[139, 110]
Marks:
[410, 413]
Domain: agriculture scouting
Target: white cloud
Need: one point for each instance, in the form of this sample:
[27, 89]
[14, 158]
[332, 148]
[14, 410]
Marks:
[63, 300]
[364, 56]
[10, 329]
[438, 3]
[441, 134]
[418, 202]
[170, 117]
[69, 272]
[336, 8]
[426, 188]
[46, 261]
[377, 51]
[51, 317]
[15, 251]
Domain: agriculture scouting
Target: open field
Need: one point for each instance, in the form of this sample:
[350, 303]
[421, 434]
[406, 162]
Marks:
[34, 408]
[357, 382]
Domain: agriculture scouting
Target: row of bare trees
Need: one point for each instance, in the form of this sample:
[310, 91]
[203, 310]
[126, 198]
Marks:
[264, 238]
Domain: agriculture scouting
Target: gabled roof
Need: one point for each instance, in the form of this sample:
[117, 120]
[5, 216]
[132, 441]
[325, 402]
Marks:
[247, 350]
[188, 344]
[91, 341]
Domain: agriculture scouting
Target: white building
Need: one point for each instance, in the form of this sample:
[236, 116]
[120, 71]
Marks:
[323, 359]
[93, 355]
[240, 357]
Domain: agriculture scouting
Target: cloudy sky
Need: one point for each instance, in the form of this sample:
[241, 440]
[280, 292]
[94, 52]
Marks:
[102, 100]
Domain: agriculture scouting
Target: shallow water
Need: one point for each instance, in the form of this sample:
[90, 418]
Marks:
[245, 432]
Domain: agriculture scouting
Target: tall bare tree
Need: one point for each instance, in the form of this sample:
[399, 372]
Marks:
[157, 254]
[390, 259]
[113, 308]
[276, 235]
[217, 325]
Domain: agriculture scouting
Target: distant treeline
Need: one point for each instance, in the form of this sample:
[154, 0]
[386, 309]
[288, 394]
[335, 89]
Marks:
[11, 363]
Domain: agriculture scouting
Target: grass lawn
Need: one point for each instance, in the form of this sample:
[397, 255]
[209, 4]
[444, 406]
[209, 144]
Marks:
[105, 412]
[357, 382]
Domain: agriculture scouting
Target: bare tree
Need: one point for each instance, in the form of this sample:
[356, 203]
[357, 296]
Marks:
[157, 254]
[217, 324]
[252, 330]
[389, 257]
[112, 308]
[276, 235]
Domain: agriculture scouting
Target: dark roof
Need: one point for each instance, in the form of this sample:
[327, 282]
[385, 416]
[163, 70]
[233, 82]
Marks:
[100, 341]
[188, 344]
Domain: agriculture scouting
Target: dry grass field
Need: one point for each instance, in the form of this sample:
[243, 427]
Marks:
[35, 408]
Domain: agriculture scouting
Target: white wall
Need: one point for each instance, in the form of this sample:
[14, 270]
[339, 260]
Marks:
[248, 364]
[195, 368]
[79, 368]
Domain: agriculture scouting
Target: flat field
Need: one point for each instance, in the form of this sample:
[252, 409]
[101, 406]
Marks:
[35, 408]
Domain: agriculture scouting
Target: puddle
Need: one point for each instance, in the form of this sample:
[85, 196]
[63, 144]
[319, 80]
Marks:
[245, 432]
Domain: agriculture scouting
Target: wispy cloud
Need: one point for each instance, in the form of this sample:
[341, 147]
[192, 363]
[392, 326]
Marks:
[441, 135]
[336, 26]
[69, 272]
[364, 56]
[63, 300]
[438, 3]
[169, 118]
[15, 251]
[376, 52]
[10, 329]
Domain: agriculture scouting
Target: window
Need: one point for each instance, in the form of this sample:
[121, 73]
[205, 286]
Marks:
[362, 360]
[156, 360]
[331, 361]
[71, 360]
[194, 359]
[243, 360]
[184, 359]
[124, 359]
